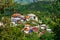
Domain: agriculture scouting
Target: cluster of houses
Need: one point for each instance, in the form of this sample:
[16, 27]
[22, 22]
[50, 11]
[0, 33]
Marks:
[18, 18]
[29, 29]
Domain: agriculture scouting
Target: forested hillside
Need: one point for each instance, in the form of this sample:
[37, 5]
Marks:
[48, 12]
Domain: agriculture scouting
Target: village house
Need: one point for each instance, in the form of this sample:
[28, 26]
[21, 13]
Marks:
[1, 24]
[22, 19]
[43, 26]
[27, 18]
[26, 28]
[35, 29]
[33, 17]
[15, 17]
[49, 30]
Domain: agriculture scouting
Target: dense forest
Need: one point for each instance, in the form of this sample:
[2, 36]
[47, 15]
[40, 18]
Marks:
[47, 11]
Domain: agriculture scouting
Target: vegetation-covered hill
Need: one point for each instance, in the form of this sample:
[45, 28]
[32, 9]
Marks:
[48, 12]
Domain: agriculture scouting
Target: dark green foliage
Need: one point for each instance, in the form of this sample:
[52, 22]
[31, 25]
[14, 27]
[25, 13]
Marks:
[48, 12]
[47, 36]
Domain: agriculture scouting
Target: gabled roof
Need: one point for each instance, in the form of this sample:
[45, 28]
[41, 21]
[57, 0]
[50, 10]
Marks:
[16, 15]
[27, 17]
[31, 14]
[43, 25]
